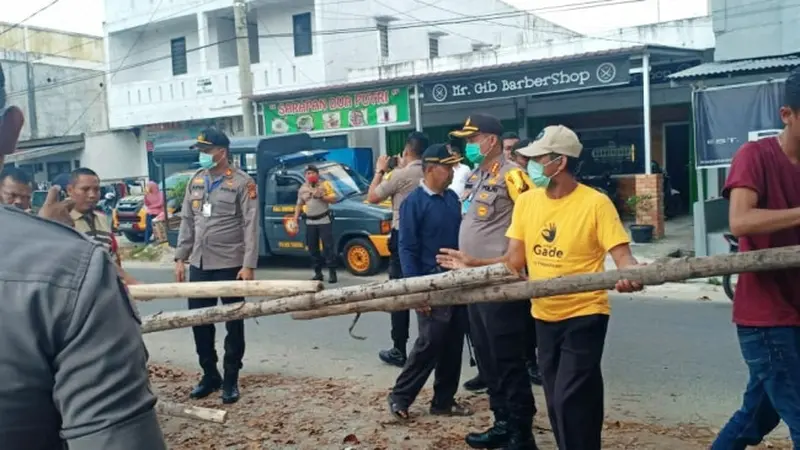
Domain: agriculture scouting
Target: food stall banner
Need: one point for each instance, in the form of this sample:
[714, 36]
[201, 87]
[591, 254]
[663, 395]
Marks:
[727, 117]
[332, 112]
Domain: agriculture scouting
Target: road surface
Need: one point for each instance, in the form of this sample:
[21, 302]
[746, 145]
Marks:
[668, 360]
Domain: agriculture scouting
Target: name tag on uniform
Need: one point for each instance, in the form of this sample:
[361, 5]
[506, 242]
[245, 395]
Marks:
[206, 209]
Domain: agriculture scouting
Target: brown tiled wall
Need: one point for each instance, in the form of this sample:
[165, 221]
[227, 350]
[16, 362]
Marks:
[651, 185]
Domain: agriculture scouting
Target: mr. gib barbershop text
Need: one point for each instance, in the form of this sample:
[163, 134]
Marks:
[489, 87]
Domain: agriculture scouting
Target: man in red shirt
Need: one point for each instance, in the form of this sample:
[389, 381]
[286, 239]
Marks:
[764, 195]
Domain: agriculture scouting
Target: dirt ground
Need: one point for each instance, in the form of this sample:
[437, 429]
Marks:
[284, 413]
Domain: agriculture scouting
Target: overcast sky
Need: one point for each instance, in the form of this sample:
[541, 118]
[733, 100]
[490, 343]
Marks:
[86, 16]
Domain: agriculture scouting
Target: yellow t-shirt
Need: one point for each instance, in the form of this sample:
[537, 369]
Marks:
[567, 236]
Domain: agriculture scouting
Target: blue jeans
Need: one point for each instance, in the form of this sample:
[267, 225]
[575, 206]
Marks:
[772, 355]
[148, 228]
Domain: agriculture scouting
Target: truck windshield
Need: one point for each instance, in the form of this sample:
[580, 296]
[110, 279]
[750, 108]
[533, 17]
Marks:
[345, 180]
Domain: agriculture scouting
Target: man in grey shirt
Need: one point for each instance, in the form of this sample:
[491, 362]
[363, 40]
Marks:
[72, 359]
[313, 204]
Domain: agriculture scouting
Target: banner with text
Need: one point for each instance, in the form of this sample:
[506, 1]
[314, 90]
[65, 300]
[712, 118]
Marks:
[567, 77]
[727, 118]
[362, 109]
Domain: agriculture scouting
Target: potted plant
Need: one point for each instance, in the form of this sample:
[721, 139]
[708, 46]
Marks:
[639, 204]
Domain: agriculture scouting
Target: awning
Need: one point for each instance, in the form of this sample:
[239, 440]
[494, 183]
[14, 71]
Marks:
[718, 68]
[34, 153]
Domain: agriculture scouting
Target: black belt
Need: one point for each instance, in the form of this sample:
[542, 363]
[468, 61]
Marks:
[317, 217]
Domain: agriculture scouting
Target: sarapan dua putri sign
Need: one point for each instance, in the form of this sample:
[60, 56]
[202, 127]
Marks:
[530, 81]
[362, 109]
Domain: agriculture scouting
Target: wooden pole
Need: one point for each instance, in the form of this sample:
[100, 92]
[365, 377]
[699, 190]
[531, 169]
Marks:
[677, 269]
[378, 304]
[255, 288]
[191, 412]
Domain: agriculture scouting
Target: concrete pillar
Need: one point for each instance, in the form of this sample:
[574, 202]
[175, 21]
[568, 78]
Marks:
[202, 41]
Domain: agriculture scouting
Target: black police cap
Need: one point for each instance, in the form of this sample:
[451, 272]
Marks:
[440, 154]
[210, 138]
[477, 124]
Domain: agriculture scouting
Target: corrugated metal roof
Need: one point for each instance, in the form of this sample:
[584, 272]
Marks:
[434, 76]
[731, 67]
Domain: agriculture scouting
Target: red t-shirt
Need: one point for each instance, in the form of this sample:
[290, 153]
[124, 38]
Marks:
[765, 299]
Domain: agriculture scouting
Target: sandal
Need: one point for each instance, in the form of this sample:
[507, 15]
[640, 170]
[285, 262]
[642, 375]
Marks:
[398, 412]
[454, 410]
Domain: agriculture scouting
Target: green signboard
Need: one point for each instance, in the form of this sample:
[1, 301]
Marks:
[348, 111]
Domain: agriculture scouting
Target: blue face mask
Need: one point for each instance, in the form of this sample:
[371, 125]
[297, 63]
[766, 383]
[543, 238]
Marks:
[206, 161]
[473, 153]
[536, 173]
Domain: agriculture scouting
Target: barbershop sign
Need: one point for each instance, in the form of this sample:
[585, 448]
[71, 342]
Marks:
[573, 76]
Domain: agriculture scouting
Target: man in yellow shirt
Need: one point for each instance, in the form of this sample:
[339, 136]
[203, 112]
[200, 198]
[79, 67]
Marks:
[565, 228]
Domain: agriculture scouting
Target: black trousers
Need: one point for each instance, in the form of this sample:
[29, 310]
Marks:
[438, 349]
[326, 257]
[498, 333]
[204, 334]
[401, 320]
[530, 335]
[570, 352]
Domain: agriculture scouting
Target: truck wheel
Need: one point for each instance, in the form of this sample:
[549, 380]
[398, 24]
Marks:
[361, 258]
[133, 237]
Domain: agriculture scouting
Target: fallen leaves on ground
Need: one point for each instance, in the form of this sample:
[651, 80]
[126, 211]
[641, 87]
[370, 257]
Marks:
[289, 413]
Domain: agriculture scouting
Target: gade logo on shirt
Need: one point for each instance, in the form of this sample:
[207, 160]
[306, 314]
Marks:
[548, 251]
[549, 233]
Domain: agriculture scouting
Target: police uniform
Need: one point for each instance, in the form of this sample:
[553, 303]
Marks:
[429, 222]
[398, 185]
[218, 237]
[497, 330]
[72, 359]
[319, 227]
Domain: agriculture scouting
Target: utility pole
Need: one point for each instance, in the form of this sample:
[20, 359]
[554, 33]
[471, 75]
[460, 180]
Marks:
[245, 76]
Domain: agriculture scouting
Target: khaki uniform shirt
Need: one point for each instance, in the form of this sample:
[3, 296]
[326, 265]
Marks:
[72, 359]
[94, 225]
[487, 204]
[219, 229]
[398, 184]
[316, 209]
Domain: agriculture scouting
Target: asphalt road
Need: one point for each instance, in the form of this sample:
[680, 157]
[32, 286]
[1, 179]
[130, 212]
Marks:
[668, 359]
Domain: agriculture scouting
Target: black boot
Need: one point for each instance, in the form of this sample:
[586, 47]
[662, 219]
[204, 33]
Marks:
[521, 436]
[209, 383]
[317, 275]
[332, 278]
[475, 384]
[230, 387]
[496, 437]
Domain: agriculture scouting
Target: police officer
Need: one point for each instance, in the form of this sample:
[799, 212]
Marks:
[497, 330]
[15, 188]
[219, 239]
[313, 203]
[72, 359]
[397, 186]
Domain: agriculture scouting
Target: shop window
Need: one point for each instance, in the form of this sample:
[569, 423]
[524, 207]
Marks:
[178, 53]
[302, 34]
[615, 151]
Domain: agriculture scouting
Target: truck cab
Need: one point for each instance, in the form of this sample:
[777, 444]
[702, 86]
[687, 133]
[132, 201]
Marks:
[277, 164]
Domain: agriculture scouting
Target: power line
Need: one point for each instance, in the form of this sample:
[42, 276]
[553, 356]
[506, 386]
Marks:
[99, 94]
[37, 12]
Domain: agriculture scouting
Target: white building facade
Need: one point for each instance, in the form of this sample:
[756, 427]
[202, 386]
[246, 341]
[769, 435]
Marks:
[58, 80]
[177, 64]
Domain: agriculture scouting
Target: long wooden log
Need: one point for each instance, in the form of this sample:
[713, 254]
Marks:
[377, 304]
[678, 269]
[191, 412]
[255, 288]
[496, 273]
